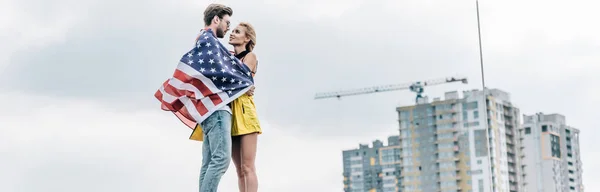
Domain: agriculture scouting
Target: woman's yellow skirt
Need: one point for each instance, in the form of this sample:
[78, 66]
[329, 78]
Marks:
[244, 119]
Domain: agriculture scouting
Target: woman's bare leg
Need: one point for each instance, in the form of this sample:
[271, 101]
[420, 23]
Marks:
[236, 155]
[248, 146]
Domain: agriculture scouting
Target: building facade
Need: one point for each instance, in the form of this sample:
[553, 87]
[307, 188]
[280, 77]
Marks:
[551, 154]
[456, 144]
[373, 169]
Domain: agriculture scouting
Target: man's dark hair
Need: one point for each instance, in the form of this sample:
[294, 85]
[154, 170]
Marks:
[218, 10]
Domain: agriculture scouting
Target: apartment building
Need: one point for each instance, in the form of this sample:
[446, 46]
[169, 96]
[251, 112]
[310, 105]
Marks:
[459, 144]
[551, 157]
[373, 169]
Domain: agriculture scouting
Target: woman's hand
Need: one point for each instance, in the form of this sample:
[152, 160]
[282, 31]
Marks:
[250, 91]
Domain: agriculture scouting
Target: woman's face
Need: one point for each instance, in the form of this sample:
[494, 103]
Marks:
[238, 36]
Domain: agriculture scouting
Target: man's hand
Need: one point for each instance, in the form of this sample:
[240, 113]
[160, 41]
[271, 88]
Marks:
[250, 91]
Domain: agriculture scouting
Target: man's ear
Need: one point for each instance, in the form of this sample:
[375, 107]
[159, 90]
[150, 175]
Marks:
[215, 20]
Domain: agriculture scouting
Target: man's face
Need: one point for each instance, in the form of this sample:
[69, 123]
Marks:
[223, 26]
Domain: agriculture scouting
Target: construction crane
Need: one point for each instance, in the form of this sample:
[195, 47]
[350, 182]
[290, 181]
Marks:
[417, 87]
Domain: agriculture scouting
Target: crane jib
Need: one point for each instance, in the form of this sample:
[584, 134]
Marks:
[416, 87]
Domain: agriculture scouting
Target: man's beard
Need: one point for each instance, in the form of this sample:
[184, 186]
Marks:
[220, 33]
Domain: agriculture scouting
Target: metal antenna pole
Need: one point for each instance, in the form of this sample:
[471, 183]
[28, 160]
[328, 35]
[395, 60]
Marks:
[480, 47]
[485, 117]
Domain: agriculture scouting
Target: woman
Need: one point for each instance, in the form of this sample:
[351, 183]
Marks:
[245, 126]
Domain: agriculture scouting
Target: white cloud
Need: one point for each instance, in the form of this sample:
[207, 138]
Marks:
[34, 25]
[69, 145]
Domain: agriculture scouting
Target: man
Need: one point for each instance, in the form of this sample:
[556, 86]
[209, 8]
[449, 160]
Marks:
[216, 148]
[206, 80]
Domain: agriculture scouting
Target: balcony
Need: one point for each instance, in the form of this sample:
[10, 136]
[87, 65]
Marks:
[452, 188]
[442, 131]
[446, 149]
[453, 119]
[455, 159]
[509, 133]
[445, 111]
[510, 150]
[509, 141]
[449, 178]
[447, 140]
[511, 160]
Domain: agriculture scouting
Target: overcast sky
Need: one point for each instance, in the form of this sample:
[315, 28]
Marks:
[77, 79]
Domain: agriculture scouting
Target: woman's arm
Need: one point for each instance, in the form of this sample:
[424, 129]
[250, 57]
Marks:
[250, 61]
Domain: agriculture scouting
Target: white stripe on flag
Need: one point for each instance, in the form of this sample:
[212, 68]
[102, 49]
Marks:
[179, 85]
[185, 68]
[191, 108]
[208, 103]
[166, 96]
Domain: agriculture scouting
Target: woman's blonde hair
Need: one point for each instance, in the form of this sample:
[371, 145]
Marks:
[250, 34]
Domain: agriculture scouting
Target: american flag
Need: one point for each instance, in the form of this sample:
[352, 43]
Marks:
[207, 78]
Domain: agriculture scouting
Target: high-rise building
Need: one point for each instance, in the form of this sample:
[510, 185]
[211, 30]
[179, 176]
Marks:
[373, 169]
[551, 158]
[459, 144]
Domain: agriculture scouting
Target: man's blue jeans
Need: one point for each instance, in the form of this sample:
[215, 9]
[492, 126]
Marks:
[216, 150]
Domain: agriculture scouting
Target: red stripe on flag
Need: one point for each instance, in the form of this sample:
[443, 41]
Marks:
[177, 92]
[193, 81]
[191, 123]
[216, 99]
[200, 107]
[177, 104]
[178, 109]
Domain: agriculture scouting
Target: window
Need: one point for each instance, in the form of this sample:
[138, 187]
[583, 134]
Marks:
[481, 143]
[555, 147]
[465, 115]
[527, 130]
[404, 114]
[391, 155]
[475, 114]
[544, 128]
[404, 124]
[471, 105]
